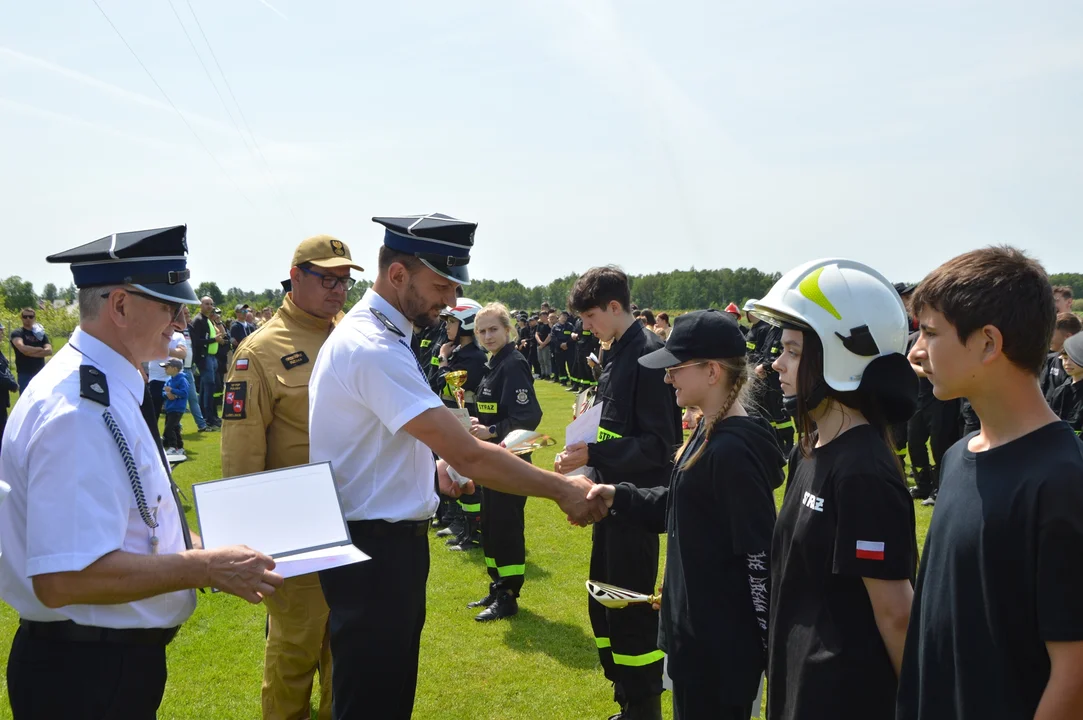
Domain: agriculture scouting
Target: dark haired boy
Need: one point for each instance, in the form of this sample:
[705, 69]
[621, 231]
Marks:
[997, 624]
[639, 430]
[1066, 400]
[562, 344]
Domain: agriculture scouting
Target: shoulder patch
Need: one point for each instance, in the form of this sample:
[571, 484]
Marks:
[241, 364]
[387, 323]
[92, 385]
[293, 359]
[234, 401]
[522, 397]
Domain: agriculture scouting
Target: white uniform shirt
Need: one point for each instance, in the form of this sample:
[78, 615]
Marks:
[155, 371]
[366, 384]
[71, 501]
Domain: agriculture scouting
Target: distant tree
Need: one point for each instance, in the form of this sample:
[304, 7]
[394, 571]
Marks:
[210, 289]
[49, 292]
[69, 293]
[18, 293]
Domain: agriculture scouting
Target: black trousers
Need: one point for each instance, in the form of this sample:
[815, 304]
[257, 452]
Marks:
[156, 397]
[560, 365]
[3, 422]
[623, 554]
[502, 540]
[377, 613]
[50, 679]
[171, 437]
[938, 424]
[702, 701]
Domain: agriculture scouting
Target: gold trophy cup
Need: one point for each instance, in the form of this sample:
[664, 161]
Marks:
[455, 380]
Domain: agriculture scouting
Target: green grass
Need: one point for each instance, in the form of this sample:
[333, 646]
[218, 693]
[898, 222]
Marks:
[541, 663]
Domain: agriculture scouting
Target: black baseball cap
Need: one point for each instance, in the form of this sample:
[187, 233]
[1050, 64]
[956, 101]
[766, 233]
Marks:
[703, 334]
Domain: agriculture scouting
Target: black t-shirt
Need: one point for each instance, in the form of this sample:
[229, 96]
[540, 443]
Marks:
[28, 365]
[846, 515]
[543, 331]
[1001, 575]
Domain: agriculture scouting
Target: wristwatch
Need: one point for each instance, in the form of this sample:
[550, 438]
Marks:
[492, 430]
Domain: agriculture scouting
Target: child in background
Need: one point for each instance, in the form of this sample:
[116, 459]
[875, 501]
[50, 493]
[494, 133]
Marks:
[176, 402]
[1066, 399]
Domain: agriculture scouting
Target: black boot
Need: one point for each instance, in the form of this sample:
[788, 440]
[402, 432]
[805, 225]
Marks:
[486, 601]
[922, 484]
[646, 709]
[934, 474]
[504, 606]
[471, 536]
[455, 528]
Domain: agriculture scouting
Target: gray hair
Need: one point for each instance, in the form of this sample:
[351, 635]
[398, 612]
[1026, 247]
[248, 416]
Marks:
[91, 301]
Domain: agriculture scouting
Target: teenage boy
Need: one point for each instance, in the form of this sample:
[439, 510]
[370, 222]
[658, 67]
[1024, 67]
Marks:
[545, 352]
[997, 624]
[175, 392]
[1062, 298]
[639, 430]
[562, 342]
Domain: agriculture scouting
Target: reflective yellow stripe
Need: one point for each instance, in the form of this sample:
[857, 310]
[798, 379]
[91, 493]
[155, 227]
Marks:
[901, 453]
[505, 570]
[604, 435]
[488, 408]
[638, 660]
[810, 288]
[475, 508]
[434, 360]
[426, 343]
[750, 345]
[783, 426]
[602, 643]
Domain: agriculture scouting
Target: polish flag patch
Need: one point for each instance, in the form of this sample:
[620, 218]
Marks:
[242, 364]
[867, 550]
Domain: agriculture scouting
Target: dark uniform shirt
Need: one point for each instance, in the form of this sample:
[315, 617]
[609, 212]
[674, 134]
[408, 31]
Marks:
[506, 396]
[431, 340]
[470, 358]
[1066, 400]
[1001, 575]
[640, 426]
[719, 515]
[562, 333]
[1052, 374]
[846, 515]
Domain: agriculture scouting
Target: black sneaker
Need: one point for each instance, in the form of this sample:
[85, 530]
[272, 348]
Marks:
[503, 607]
[468, 543]
[919, 493]
[456, 529]
[931, 500]
[484, 602]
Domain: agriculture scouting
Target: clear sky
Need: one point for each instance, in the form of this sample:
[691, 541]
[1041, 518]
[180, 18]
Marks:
[657, 135]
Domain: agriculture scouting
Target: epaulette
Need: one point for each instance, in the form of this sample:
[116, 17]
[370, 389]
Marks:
[92, 385]
[387, 323]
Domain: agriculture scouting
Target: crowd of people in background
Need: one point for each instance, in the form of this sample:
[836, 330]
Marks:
[853, 391]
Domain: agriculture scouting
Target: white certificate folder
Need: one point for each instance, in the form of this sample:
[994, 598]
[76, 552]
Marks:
[293, 515]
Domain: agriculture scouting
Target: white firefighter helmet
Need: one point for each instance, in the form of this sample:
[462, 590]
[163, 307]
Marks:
[465, 311]
[853, 309]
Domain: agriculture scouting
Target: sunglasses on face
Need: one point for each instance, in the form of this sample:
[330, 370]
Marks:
[28, 317]
[671, 371]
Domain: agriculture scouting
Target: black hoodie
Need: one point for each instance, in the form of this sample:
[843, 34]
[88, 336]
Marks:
[719, 515]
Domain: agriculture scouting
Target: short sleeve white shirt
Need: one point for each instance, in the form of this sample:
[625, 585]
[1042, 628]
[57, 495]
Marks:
[155, 371]
[71, 499]
[366, 384]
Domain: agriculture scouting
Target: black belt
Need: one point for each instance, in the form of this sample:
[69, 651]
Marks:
[383, 528]
[69, 631]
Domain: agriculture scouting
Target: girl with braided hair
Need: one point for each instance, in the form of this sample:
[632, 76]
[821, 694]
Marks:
[719, 513]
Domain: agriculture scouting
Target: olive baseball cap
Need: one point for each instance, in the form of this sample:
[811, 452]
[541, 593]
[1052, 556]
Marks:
[324, 251]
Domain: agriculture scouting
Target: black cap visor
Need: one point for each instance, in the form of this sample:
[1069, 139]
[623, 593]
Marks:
[660, 359]
[455, 273]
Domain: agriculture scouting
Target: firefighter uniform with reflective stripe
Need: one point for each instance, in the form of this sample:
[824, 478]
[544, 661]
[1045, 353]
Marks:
[470, 358]
[562, 335]
[639, 431]
[506, 399]
[265, 427]
[767, 392]
[585, 344]
[430, 340]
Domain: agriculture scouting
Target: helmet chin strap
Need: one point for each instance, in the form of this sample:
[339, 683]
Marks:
[813, 400]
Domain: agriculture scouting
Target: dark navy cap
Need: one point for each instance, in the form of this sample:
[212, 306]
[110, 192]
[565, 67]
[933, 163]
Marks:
[905, 288]
[153, 261]
[440, 241]
[699, 335]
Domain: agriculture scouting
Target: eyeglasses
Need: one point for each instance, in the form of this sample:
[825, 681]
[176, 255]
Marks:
[329, 282]
[28, 317]
[671, 370]
[176, 308]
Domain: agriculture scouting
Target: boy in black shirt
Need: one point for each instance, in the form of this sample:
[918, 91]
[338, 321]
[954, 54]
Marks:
[997, 623]
[1066, 400]
[1053, 374]
[638, 433]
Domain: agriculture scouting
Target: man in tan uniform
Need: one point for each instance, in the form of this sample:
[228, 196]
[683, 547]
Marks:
[265, 413]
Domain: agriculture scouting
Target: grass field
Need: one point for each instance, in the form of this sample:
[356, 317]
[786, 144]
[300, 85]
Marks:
[540, 664]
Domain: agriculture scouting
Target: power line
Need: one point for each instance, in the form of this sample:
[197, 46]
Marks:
[240, 111]
[207, 72]
[173, 105]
